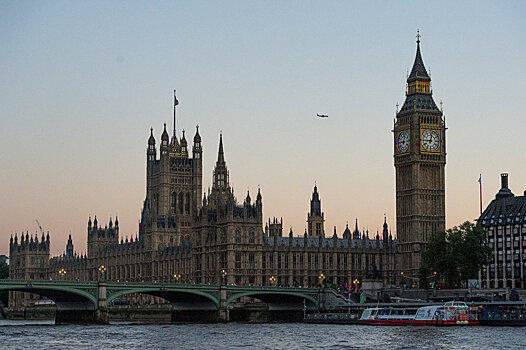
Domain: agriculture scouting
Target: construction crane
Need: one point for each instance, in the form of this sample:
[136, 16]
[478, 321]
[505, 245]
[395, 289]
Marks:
[40, 227]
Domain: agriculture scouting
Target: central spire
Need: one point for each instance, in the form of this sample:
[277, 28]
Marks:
[418, 70]
[221, 171]
[220, 153]
[418, 93]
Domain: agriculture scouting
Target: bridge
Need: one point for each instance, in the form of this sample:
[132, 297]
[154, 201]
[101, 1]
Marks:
[87, 302]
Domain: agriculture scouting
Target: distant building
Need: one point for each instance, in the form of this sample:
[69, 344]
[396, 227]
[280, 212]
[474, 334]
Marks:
[505, 222]
[4, 259]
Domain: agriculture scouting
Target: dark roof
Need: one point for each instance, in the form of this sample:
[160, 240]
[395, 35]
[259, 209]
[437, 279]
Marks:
[504, 211]
[419, 101]
[419, 70]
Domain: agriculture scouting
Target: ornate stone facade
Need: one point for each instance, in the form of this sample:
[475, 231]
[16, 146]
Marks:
[186, 238]
[419, 159]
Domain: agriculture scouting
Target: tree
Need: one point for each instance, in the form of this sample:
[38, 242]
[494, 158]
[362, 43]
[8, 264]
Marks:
[4, 273]
[457, 254]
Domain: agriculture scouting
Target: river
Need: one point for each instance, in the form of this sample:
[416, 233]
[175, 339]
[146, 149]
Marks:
[45, 335]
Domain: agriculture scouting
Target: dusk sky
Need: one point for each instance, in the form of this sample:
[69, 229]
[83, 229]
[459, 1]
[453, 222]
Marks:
[81, 83]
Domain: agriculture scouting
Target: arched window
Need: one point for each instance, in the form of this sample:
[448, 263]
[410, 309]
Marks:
[251, 236]
[187, 204]
[180, 203]
[238, 236]
[174, 203]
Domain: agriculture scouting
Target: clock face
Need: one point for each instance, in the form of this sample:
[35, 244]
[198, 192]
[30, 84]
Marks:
[430, 140]
[403, 141]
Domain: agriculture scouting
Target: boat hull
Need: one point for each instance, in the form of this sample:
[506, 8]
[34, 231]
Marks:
[421, 322]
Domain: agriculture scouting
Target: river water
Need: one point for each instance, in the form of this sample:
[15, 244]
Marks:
[45, 335]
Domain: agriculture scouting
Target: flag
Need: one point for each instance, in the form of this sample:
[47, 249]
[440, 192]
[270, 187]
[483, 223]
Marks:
[176, 102]
[480, 179]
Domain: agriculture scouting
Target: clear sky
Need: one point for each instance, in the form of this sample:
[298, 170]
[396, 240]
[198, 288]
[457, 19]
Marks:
[82, 82]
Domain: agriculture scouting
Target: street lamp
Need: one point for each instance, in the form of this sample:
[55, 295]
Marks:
[272, 280]
[321, 278]
[102, 270]
[434, 279]
[223, 276]
[402, 278]
[176, 278]
[356, 282]
[62, 272]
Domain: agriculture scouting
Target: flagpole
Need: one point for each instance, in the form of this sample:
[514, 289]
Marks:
[480, 193]
[175, 99]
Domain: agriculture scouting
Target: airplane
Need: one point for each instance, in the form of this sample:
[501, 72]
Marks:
[322, 115]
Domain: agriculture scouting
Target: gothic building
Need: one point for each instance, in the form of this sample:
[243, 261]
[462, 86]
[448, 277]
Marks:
[191, 237]
[419, 159]
[28, 260]
[184, 237]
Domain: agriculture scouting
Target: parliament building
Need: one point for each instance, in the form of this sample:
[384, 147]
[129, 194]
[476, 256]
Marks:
[187, 235]
[186, 238]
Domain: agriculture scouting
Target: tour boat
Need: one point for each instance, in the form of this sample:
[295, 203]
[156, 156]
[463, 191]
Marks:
[452, 313]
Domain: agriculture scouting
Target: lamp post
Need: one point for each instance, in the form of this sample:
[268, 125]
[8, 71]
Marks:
[62, 273]
[402, 279]
[176, 278]
[102, 270]
[272, 280]
[223, 277]
[321, 278]
[434, 279]
[356, 283]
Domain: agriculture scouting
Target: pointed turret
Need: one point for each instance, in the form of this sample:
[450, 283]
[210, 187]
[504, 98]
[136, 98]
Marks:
[69, 247]
[347, 233]
[221, 171]
[151, 139]
[315, 217]
[259, 201]
[418, 86]
[356, 232]
[419, 70]
[184, 146]
[220, 152]
[164, 142]
[151, 152]
[247, 200]
[385, 231]
[197, 150]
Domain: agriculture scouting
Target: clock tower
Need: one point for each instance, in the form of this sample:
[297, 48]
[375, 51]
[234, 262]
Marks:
[419, 160]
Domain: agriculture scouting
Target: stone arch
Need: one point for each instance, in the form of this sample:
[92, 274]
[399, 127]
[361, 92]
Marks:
[190, 298]
[62, 296]
[276, 299]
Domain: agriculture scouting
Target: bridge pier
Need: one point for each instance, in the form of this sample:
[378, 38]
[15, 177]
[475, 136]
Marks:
[223, 312]
[76, 315]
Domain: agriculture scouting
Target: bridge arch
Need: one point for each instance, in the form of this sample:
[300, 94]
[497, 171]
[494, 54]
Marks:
[64, 297]
[188, 298]
[276, 298]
